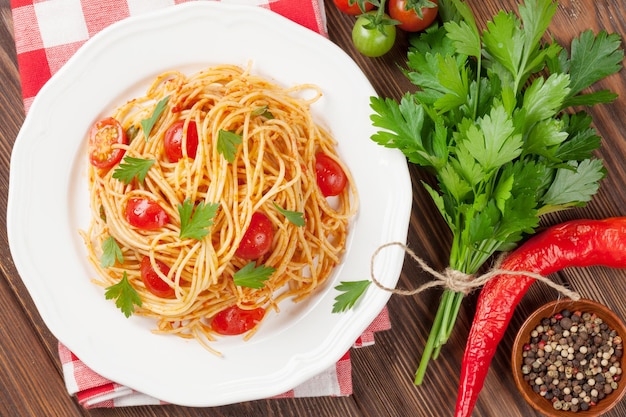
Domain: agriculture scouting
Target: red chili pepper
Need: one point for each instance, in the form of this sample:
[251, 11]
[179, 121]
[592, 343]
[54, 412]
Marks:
[576, 243]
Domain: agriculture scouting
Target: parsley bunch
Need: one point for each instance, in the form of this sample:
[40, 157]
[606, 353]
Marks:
[489, 120]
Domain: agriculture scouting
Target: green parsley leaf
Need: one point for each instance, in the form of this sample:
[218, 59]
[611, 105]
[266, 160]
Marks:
[131, 133]
[574, 185]
[125, 296]
[295, 217]
[582, 140]
[148, 124]
[593, 58]
[131, 168]
[195, 220]
[493, 141]
[403, 125]
[102, 213]
[351, 292]
[543, 98]
[252, 276]
[111, 253]
[263, 112]
[227, 144]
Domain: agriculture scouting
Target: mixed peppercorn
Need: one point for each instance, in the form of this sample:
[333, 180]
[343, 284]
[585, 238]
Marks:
[573, 360]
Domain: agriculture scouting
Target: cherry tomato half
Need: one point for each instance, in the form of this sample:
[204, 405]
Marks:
[234, 320]
[352, 9]
[102, 136]
[409, 20]
[373, 42]
[257, 240]
[153, 281]
[145, 214]
[173, 141]
[330, 176]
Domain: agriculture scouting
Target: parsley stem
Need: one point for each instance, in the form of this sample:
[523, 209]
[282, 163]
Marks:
[440, 331]
[431, 342]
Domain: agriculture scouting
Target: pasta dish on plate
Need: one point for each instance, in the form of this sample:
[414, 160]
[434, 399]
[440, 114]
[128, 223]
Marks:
[213, 198]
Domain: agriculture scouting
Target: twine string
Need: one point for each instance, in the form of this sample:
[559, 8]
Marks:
[458, 281]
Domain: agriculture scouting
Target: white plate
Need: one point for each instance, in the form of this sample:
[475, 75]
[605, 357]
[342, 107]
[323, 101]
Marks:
[48, 204]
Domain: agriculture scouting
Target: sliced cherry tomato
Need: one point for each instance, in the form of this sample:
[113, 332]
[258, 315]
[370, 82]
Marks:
[405, 11]
[371, 36]
[257, 240]
[145, 214]
[330, 176]
[235, 320]
[174, 141]
[352, 9]
[153, 281]
[102, 136]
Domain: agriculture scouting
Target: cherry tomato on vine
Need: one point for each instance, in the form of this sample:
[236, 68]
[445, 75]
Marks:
[330, 176]
[153, 281]
[352, 9]
[173, 141]
[102, 137]
[413, 15]
[258, 238]
[235, 320]
[373, 34]
[145, 214]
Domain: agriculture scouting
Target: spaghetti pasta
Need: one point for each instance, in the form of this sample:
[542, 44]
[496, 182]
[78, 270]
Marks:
[256, 153]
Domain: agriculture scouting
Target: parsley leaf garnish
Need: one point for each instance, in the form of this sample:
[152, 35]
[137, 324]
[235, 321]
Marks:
[132, 167]
[131, 133]
[295, 217]
[125, 296]
[111, 253]
[148, 124]
[351, 291]
[196, 219]
[252, 276]
[227, 144]
[263, 112]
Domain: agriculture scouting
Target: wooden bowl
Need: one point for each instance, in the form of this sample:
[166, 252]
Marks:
[537, 401]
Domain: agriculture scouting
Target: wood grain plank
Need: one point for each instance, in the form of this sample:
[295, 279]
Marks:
[31, 383]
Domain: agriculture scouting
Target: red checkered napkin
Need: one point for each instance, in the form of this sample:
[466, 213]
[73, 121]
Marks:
[92, 390]
[47, 33]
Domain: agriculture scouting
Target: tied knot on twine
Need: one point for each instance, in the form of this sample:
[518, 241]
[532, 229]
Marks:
[458, 281]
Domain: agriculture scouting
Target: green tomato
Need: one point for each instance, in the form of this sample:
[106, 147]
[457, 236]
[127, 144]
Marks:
[373, 42]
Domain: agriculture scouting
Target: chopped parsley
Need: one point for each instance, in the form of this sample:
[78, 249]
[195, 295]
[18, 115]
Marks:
[252, 276]
[295, 217]
[148, 124]
[196, 219]
[131, 168]
[227, 144]
[111, 253]
[125, 296]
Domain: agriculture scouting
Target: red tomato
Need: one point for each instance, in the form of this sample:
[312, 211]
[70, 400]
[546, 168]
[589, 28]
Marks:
[102, 136]
[353, 9]
[330, 177]
[257, 240]
[153, 281]
[234, 320]
[174, 141]
[145, 214]
[410, 21]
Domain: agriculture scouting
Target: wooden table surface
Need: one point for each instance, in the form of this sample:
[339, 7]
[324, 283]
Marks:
[31, 382]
